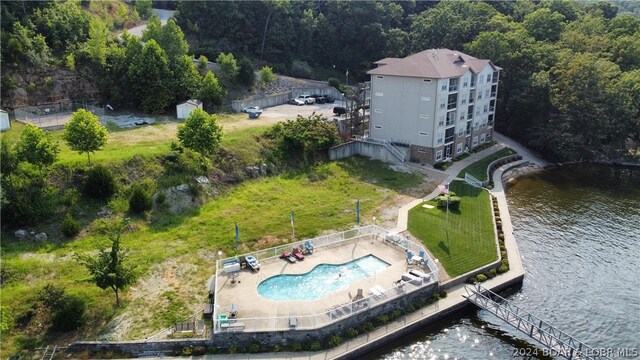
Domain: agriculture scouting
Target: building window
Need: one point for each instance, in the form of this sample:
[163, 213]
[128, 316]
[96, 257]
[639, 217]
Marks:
[453, 85]
[441, 122]
[495, 77]
[486, 109]
[459, 148]
[461, 117]
[422, 133]
[444, 87]
[440, 139]
[463, 101]
[424, 116]
[379, 111]
[452, 101]
[480, 95]
[377, 127]
[465, 83]
[488, 137]
[472, 95]
[482, 138]
[476, 126]
[488, 78]
[442, 105]
[494, 90]
[475, 141]
[425, 98]
[379, 94]
[422, 150]
[439, 155]
[451, 118]
[486, 93]
[426, 80]
[473, 80]
[379, 77]
[470, 112]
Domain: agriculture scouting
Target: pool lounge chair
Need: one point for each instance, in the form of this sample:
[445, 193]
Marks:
[298, 253]
[308, 246]
[411, 279]
[423, 262]
[409, 258]
[288, 256]
[420, 274]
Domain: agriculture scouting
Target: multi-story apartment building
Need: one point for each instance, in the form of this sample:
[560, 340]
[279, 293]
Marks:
[438, 102]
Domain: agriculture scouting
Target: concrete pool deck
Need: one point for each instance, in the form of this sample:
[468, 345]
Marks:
[258, 313]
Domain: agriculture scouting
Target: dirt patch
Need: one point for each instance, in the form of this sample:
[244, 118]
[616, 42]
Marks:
[164, 290]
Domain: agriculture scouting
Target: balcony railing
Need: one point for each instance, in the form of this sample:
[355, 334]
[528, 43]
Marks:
[451, 106]
[492, 108]
[493, 94]
[450, 123]
[495, 80]
[453, 88]
[449, 139]
[469, 116]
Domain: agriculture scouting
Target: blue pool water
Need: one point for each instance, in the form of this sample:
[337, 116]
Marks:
[323, 280]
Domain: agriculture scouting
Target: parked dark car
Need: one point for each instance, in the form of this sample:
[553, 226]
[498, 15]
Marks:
[320, 99]
[329, 99]
[339, 110]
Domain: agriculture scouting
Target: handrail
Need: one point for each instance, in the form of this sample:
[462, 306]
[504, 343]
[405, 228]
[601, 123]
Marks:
[384, 142]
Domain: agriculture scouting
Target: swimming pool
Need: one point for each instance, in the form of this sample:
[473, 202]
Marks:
[323, 280]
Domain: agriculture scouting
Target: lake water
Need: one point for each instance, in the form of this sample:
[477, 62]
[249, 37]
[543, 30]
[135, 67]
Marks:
[578, 230]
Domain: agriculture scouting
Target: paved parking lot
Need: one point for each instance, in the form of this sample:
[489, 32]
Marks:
[286, 111]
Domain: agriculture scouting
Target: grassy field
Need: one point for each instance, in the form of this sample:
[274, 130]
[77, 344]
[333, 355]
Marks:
[323, 198]
[479, 168]
[462, 240]
[151, 140]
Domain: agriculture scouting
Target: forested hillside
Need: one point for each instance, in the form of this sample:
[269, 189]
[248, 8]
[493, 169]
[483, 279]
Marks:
[570, 86]
[571, 81]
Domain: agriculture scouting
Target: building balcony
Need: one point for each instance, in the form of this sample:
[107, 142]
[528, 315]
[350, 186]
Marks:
[449, 139]
[493, 94]
[492, 109]
[450, 123]
[453, 88]
[451, 106]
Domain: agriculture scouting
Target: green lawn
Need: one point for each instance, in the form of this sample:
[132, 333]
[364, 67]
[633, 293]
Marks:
[479, 168]
[322, 198]
[146, 141]
[462, 240]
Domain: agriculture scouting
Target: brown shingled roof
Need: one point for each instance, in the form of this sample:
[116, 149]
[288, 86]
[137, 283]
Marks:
[432, 63]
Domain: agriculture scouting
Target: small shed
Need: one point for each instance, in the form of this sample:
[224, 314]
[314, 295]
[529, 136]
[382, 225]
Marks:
[184, 109]
[4, 121]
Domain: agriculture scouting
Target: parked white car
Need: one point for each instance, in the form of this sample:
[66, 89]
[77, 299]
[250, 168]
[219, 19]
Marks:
[307, 99]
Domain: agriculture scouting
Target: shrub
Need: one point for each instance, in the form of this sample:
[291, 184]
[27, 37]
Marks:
[315, 346]
[409, 309]
[503, 269]
[52, 296]
[471, 280]
[501, 235]
[186, 351]
[491, 273]
[253, 348]
[443, 294]
[503, 254]
[161, 197]
[140, 201]
[100, 183]
[335, 83]
[382, 319]
[70, 316]
[276, 348]
[481, 278]
[70, 226]
[368, 326]
[351, 333]
[396, 313]
[296, 346]
[232, 349]
[436, 297]
[335, 340]
[454, 202]
[211, 349]
[300, 69]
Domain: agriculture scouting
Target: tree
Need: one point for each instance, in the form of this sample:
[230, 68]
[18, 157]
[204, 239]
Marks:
[97, 42]
[186, 78]
[8, 161]
[150, 78]
[200, 132]
[246, 73]
[37, 147]
[544, 25]
[108, 268]
[84, 133]
[266, 76]
[228, 65]
[211, 92]
[202, 63]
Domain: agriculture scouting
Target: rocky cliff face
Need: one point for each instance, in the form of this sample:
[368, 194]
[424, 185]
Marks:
[39, 86]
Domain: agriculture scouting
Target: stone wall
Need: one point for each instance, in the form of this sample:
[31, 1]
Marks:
[242, 340]
[422, 154]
